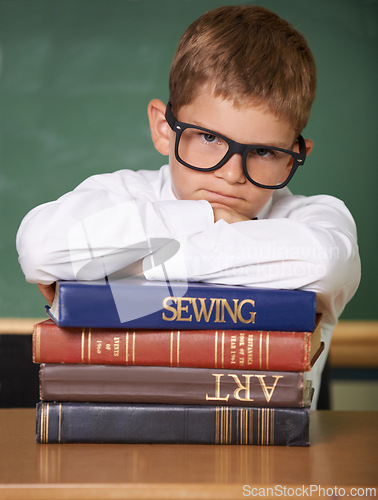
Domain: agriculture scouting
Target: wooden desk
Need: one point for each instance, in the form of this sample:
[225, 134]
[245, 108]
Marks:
[343, 454]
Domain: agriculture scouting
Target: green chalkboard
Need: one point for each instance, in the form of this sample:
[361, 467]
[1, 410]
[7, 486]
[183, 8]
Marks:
[75, 80]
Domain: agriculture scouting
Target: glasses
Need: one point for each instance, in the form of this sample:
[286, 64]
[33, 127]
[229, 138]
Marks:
[203, 150]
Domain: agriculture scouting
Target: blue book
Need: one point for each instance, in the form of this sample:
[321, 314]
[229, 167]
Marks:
[171, 424]
[141, 304]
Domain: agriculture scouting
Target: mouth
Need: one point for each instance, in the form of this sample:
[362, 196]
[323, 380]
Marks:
[215, 196]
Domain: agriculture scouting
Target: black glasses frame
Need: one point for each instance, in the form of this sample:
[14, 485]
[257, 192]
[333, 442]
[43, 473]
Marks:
[234, 148]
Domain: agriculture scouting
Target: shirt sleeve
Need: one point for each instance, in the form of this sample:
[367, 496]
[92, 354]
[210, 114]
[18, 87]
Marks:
[107, 223]
[307, 243]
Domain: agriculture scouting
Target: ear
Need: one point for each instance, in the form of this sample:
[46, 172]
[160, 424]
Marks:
[309, 146]
[160, 130]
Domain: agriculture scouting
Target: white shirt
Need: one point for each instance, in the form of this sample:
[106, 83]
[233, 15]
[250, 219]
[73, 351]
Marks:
[298, 242]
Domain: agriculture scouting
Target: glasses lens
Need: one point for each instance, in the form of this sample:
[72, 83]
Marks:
[201, 149]
[269, 167]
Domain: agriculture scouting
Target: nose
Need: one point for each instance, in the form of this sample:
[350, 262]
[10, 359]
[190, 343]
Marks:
[232, 171]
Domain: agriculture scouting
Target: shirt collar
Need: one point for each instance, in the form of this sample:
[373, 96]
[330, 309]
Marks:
[264, 212]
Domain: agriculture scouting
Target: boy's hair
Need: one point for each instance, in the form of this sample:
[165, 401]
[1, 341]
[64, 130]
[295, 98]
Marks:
[246, 53]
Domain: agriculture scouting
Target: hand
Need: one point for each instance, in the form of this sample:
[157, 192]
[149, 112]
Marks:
[48, 291]
[227, 214]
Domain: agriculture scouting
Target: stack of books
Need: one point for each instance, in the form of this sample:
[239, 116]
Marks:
[136, 361]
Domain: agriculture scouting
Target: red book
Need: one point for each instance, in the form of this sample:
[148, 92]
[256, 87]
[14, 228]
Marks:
[229, 349]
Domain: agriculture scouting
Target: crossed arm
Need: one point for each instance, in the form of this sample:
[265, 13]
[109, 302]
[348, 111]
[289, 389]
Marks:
[307, 243]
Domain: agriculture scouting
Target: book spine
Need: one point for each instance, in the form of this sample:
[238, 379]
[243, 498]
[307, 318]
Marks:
[198, 307]
[147, 423]
[150, 384]
[230, 349]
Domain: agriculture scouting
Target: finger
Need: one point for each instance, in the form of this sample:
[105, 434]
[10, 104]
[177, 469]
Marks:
[48, 291]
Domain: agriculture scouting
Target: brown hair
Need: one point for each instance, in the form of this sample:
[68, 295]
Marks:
[246, 53]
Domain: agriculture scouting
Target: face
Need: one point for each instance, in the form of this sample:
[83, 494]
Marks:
[228, 186]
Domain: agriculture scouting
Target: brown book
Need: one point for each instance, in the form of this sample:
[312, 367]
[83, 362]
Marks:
[228, 349]
[158, 384]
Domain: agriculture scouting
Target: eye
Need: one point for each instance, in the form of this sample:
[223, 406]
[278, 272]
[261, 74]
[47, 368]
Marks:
[263, 152]
[209, 138]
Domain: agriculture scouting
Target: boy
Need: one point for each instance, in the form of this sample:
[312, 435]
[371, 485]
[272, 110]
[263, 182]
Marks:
[242, 83]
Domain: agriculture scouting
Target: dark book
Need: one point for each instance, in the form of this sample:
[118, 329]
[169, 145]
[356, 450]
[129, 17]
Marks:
[160, 384]
[171, 424]
[138, 303]
[230, 349]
